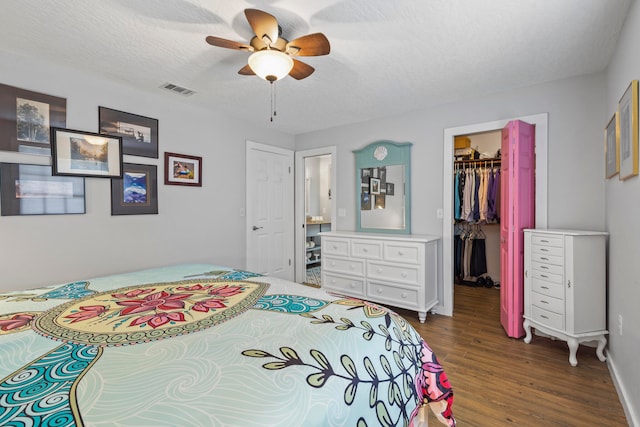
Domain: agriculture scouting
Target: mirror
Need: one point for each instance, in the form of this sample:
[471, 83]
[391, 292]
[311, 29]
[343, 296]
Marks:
[383, 188]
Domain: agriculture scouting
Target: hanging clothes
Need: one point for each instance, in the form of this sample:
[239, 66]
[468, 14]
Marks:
[456, 196]
[476, 193]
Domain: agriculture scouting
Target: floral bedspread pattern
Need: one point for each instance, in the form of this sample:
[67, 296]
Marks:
[241, 353]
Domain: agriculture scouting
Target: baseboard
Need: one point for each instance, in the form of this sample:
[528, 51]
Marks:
[629, 411]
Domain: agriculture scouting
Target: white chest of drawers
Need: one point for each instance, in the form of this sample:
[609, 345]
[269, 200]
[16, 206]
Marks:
[565, 287]
[401, 271]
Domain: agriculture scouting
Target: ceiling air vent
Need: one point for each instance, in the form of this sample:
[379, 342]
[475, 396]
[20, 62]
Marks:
[177, 89]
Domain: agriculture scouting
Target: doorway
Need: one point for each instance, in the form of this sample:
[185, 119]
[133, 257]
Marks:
[269, 192]
[315, 209]
[541, 122]
[477, 158]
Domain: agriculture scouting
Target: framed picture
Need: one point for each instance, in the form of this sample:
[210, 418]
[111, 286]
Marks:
[136, 193]
[374, 185]
[27, 189]
[139, 134]
[365, 201]
[380, 202]
[180, 169]
[611, 147]
[382, 174]
[628, 131]
[86, 154]
[390, 189]
[26, 118]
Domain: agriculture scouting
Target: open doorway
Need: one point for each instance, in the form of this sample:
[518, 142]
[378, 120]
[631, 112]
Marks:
[446, 303]
[477, 160]
[315, 209]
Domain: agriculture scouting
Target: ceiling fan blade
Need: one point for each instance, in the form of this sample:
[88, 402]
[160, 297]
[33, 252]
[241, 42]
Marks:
[310, 45]
[300, 70]
[246, 71]
[229, 44]
[263, 25]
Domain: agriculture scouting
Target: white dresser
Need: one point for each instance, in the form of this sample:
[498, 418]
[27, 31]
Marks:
[565, 287]
[396, 270]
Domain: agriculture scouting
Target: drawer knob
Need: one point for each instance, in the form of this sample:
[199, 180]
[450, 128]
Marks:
[544, 275]
[568, 283]
[379, 270]
[544, 258]
[544, 287]
[353, 285]
[544, 302]
[403, 274]
[544, 250]
[404, 295]
[335, 247]
[544, 240]
[544, 267]
[400, 253]
[379, 290]
[351, 267]
[543, 316]
[365, 250]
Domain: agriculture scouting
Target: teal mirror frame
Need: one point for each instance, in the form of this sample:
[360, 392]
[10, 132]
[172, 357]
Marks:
[395, 154]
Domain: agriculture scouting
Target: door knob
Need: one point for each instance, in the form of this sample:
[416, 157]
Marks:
[256, 228]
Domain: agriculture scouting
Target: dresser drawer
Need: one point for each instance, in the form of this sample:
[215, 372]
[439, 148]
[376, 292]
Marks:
[369, 249]
[393, 295]
[547, 277]
[548, 268]
[347, 285]
[547, 250]
[547, 318]
[555, 290]
[547, 258]
[407, 274]
[403, 252]
[547, 240]
[334, 246]
[546, 302]
[350, 266]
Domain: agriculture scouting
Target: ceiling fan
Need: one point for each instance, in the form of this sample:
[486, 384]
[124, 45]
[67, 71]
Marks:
[273, 57]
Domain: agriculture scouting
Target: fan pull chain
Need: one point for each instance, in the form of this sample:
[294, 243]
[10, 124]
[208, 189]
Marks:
[273, 101]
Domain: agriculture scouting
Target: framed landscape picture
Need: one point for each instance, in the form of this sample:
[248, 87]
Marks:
[136, 193]
[180, 169]
[26, 119]
[139, 134]
[27, 189]
[86, 154]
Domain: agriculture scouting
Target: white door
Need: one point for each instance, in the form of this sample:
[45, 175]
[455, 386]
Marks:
[270, 210]
[301, 202]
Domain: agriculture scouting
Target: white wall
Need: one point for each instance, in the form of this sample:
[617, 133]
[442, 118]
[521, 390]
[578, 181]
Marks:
[623, 224]
[193, 225]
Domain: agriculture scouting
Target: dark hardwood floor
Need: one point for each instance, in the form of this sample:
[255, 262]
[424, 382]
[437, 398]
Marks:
[500, 381]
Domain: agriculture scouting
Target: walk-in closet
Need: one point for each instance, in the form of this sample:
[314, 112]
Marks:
[476, 210]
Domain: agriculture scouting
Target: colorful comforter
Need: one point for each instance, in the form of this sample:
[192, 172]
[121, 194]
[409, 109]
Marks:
[203, 345]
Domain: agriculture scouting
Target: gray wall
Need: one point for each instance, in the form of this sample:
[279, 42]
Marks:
[575, 149]
[623, 224]
[194, 224]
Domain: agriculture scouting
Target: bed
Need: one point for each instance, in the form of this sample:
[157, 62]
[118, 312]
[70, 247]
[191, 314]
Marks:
[205, 345]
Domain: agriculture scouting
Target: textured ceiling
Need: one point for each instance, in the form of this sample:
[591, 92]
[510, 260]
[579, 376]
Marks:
[387, 56]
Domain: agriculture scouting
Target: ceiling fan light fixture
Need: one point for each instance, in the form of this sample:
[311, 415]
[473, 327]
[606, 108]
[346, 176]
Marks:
[270, 64]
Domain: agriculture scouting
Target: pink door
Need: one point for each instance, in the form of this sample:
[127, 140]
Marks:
[517, 212]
